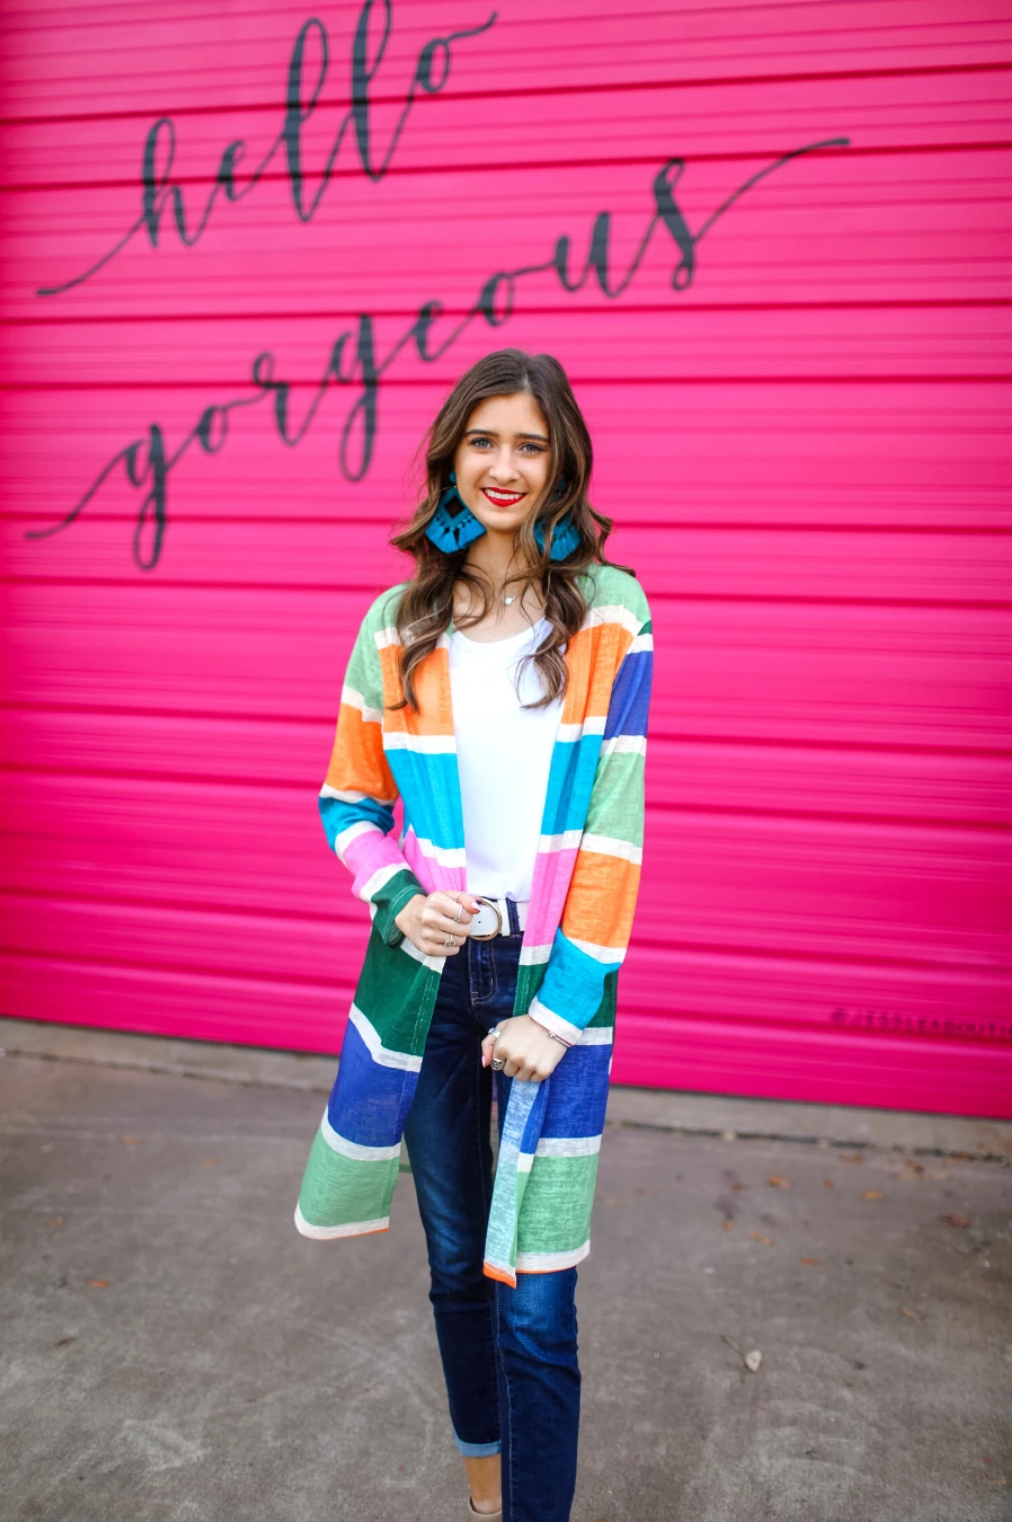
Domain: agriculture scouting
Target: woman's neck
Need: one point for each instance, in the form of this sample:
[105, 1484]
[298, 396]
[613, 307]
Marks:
[494, 555]
[493, 558]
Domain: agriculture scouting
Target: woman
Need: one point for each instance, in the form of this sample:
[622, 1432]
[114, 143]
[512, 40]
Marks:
[502, 693]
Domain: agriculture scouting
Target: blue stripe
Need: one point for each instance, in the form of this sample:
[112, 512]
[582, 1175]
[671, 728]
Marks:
[630, 696]
[579, 1093]
[535, 1115]
[573, 986]
[369, 1103]
[570, 781]
[338, 815]
[431, 783]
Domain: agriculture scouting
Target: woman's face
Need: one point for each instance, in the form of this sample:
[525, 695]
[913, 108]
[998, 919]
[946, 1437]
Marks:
[502, 460]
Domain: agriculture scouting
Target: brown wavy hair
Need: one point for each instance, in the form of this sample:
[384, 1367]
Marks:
[426, 605]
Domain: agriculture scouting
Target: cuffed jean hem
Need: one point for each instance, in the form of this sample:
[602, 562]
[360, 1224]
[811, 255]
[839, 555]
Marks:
[476, 1450]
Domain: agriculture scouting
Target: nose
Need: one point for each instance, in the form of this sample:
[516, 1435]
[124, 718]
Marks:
[502, 469]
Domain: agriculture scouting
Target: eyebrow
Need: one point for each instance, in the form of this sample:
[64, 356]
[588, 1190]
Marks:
[492, 434]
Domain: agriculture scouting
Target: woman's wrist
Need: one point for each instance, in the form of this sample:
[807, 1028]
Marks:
[548, 1031]
[405, 913]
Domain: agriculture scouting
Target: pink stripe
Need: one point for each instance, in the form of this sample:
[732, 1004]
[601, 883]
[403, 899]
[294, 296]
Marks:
[430, 873]
[552, 873]
[364, 850]
[379, 851]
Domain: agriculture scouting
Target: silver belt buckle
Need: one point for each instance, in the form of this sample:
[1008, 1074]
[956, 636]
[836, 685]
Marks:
[483, 919]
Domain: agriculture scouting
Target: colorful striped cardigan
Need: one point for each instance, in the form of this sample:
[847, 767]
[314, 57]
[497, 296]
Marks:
[579, 920]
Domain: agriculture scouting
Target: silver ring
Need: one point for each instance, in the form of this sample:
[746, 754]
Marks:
[460, 912]
[449, 940]
[495, 1033]
[498, 1063]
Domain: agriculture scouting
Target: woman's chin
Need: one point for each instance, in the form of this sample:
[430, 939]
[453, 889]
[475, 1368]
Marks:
[505, 524]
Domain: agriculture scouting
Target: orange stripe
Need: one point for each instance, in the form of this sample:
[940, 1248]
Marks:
[495, 1273]
[601, 899]
[593, 657]
[432, 688]
[357, 762]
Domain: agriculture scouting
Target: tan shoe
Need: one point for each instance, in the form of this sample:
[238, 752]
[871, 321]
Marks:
[486, 1516]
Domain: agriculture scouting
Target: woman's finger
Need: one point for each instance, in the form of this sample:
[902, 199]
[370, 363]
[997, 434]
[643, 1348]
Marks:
[444, 924]
[517, 1065]
[451, 906]
[443, 945]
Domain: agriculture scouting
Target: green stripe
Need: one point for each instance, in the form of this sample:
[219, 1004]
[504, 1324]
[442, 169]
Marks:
[557, 1204]
[606, 1009]
[337, 1190]
[388, 902]
[530, 977]
[616, 805]
[604, 585]
[364, 670]
[396, 994]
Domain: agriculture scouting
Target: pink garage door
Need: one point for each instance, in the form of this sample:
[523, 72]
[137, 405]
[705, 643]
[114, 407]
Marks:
[245, 252]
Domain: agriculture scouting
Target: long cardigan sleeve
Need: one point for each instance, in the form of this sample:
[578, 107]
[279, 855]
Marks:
[357, 799]
[597, 918]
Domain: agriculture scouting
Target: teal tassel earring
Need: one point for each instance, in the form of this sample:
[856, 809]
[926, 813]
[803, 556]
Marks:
[566, 536]
[448, 531]
[564, 540]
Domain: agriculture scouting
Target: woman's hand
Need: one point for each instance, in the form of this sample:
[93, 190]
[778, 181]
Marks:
[428, 921]
[529, 1051]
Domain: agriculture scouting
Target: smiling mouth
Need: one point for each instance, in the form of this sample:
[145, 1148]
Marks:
[503, 498]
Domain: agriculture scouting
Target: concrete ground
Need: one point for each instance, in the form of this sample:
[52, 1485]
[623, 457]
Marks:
[174, 1352]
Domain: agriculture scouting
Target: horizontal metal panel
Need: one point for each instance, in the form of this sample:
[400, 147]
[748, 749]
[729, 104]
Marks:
[829, 674]
[805, 984]
[833, 782]
[823, 888]
[734, 564]
[901, 1068]
[250, 1011]
[551, 129]
[50, 40]
[703, 347]
[830, 227]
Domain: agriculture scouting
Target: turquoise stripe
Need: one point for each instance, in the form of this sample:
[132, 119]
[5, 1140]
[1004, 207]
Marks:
[430, 788]
[574, 982]
[570, 781]
[338, 816]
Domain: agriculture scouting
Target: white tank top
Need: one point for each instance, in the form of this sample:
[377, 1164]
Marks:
[504, 752]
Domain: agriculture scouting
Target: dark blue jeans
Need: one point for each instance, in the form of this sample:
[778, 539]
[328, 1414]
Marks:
[509, 1355]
